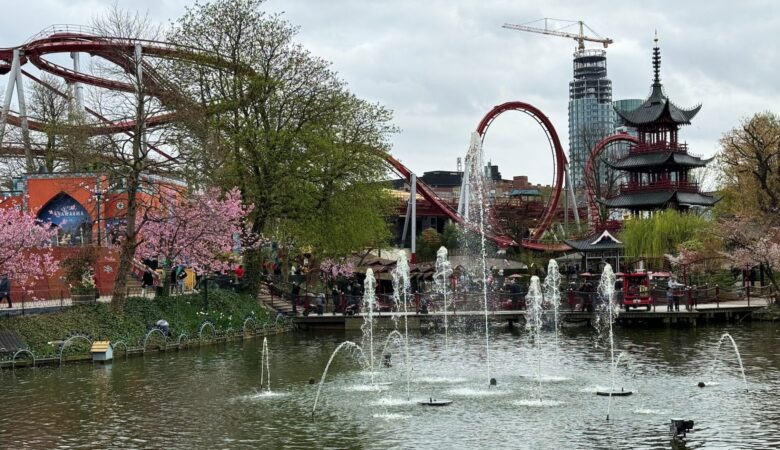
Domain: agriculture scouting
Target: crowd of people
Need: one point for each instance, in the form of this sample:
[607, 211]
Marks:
[180, 273]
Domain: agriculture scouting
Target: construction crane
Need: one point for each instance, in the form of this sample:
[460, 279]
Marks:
[579, 37]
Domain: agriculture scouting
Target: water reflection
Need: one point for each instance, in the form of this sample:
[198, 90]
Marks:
[212, 397]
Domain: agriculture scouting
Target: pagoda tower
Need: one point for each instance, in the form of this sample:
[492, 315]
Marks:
[657, 168]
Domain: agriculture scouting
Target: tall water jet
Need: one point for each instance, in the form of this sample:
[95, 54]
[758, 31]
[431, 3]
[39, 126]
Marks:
[441, 282]
[401, 295]
[736, 351]
[345, 344]
[552, 293]
[534, 322]
[265, 367]
[369, 298]
[476, 191]
[606, 314]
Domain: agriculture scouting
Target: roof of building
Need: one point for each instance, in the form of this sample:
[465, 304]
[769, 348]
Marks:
[442, 178]
[526, 192]
[659, 199]
[596, 242]
[643, 160]
[657, 107]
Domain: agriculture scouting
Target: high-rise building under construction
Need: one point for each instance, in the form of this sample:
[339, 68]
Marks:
[591, 116]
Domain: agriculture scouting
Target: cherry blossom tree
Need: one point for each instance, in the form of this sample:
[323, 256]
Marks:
[200, 232]
[25, 253]
[751, 243]
[332, 269]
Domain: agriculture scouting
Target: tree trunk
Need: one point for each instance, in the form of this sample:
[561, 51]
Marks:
[124, 267]
[127, 250]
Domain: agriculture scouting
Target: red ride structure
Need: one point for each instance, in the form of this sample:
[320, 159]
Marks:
[595, 223]
[71, 39]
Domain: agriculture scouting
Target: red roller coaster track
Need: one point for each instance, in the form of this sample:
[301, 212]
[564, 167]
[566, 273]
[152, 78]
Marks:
[590, 166]
[67, 39]
[559, 160]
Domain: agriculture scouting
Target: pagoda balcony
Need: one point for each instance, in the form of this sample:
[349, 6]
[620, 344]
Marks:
[684, 186]
[657, 147]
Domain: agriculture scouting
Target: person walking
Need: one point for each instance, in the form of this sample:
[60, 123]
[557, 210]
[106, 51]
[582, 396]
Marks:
[5, 290]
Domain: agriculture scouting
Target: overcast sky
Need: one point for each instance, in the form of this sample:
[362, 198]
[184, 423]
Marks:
[440, 65]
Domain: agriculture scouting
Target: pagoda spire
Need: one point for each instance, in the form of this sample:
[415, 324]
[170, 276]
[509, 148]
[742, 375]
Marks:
[656, 62]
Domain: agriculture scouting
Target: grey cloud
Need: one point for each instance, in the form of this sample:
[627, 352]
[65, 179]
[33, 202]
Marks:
[441, 65]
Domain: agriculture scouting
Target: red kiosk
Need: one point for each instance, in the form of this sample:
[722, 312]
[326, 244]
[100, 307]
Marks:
[636, 290]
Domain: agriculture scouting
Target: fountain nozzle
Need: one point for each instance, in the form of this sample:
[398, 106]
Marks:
[493, 382]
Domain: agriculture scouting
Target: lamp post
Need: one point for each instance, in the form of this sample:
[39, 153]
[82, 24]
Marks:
[98, 196]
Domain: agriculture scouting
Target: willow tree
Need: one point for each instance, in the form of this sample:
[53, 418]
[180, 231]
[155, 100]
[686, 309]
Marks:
[663, 234]
[279, 124]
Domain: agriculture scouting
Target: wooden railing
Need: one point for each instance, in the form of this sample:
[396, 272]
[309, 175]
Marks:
[687, 186]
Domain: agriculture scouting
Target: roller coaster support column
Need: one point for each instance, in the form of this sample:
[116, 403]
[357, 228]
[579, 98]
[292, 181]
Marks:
[23, 116]
[463, 201]
[570, 189]
[15, 79]
[78, 89]
[413, 202]
[140, 80]
[406, 220]
[9, 92]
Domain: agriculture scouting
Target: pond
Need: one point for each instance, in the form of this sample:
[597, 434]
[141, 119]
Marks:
[212, 398]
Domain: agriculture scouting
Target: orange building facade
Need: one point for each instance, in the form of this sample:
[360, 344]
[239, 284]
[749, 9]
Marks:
[88, 210]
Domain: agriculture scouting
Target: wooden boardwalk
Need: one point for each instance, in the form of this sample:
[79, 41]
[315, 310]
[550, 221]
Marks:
[725, 311]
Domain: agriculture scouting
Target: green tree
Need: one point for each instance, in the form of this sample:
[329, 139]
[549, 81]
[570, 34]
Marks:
[280, 125]
[428, 243]
[663, 234]
[450, 237]
[750, 161]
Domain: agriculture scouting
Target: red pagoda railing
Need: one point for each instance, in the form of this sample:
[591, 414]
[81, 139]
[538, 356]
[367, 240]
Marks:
[662, 146]
[687, 186]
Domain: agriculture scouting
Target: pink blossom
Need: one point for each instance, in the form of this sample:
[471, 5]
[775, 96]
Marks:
[25, 253]
[200, 232]
[335, 269]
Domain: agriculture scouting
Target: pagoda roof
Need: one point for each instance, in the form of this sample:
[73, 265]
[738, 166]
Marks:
[657, 107]
[603, 241]
[642, 160]
[659, 199]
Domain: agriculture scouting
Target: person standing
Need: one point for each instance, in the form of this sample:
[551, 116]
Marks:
[294, 293]
[181, 275]
[671, 295]
[5, 290]
[320, 302]
[146, 281]
[335, 298]
[173, 280]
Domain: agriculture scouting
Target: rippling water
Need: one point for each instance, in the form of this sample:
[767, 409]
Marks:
[211, 398]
